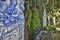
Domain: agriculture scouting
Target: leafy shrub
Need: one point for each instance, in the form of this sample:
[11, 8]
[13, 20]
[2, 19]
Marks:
[49, 28]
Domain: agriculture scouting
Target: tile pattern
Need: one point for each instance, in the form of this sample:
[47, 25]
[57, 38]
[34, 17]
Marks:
[11, 20]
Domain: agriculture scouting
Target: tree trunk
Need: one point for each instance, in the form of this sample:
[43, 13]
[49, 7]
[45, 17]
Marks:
[26, 18]
[48, 20]
[44, 18]
[33, 4]
[54, 23]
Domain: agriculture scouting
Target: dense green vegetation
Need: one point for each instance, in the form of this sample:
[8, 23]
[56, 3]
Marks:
[33, 21]
[34, 10]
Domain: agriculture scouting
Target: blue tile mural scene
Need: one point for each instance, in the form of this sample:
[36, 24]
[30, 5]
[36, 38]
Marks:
[11, 20]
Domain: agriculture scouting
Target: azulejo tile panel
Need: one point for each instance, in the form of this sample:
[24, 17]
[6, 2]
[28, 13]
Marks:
[11, 20]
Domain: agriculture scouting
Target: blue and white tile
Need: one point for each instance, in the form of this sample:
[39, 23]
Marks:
[12, 28]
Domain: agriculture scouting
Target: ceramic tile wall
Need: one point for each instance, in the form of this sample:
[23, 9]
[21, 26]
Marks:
[11, 20]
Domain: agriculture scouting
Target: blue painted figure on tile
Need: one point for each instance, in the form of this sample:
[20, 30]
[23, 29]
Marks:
[11, 20]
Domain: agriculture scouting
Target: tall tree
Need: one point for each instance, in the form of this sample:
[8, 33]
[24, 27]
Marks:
[35, 22]
[26, 37]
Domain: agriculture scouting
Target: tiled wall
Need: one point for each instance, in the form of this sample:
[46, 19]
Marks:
[11, 20]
